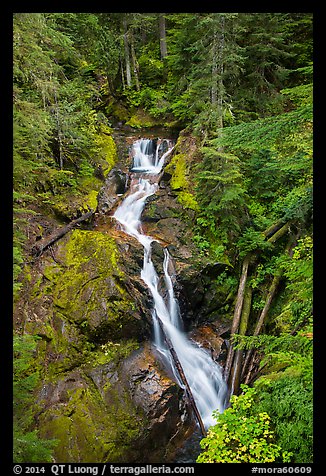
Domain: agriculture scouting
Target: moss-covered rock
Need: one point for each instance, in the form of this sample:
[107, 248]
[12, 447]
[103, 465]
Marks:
[88, 428]
[117, 111]
[91, 291]
[69, 204]
[116, 411]
[178, 168]
[107, 149]
[91, 200]
[141, 119]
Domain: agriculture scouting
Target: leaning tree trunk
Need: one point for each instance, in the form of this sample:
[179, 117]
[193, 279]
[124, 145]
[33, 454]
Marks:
[273, 228]
[272, 234]
[235, 377]
[248, 363]
[237, 314]
[280, 232]
[261, 321]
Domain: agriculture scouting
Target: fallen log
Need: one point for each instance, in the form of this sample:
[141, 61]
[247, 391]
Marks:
[182, 377]
[40, 246]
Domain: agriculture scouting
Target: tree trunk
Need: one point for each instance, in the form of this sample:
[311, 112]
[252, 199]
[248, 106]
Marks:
[214, 70]
[126, 45]
[134, 62]
[39, 247]
[273, 228]
[279, 233]
[182, 377]
[110, 83]
[217, 88]
[235, 377]
[59, 131]
[262, 317]
[163, 47]
[122, 75]
[270, 296]
[237, 313]
[220, 75]
[253, 362]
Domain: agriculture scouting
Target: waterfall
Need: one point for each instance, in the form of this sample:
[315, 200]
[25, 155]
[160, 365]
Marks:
[146, 156]
[203, 374]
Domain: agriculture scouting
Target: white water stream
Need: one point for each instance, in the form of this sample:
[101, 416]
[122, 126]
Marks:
[203, 374]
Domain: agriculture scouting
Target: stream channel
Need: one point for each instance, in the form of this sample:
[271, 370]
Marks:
[202, 373]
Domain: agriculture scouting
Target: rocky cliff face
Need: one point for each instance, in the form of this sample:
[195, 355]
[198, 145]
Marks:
[105, 394]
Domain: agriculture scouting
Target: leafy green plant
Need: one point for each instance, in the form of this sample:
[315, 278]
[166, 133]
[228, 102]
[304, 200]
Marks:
[242, 434]
[252, 240]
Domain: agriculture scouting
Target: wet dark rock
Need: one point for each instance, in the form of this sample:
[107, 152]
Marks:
[90, 408]
[115, 185]
[169, 420]
[158, 257]
[165, 219]
[207, 338]
[131, 254]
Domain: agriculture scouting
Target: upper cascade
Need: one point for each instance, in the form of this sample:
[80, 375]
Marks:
[148, 155]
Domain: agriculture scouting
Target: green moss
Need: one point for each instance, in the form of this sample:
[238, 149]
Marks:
[111, 352]
[69, 204]
[88, 429]
[142, 119]
[188, 200]
[151, 209]
[178, 168]
[27, 273]
[84, 245]
[118, 111]
[107, 149]
[91, 199]
[51, 271]
[91, 291]
[90, 304]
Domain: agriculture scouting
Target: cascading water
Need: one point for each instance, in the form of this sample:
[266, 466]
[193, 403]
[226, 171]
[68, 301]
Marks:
[204, 376]
[146, 156]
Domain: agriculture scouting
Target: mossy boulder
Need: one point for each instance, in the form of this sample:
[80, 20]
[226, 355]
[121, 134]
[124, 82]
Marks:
[92, 292]
[88, 428]
[117, 111]
[122, 410]
[107, 156]
[179, 171]
[142, 119]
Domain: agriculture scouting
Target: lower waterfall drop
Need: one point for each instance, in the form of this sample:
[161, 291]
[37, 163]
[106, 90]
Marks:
[203, 374]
